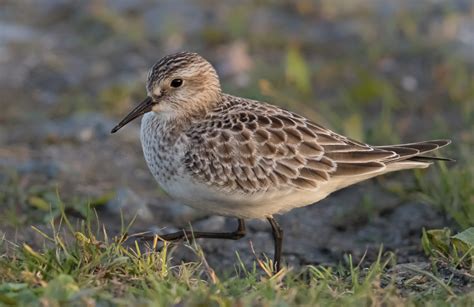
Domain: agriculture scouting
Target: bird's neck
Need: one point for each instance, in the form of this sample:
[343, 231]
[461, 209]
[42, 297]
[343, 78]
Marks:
[164, 123]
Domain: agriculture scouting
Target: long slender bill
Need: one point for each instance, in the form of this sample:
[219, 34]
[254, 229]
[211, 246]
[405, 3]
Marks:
[144, 107]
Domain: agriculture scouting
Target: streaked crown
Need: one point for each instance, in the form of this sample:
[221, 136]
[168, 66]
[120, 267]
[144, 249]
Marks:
[183, 81]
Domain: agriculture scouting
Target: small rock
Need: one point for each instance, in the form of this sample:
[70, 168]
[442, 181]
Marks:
[409, 83]
[126, 201]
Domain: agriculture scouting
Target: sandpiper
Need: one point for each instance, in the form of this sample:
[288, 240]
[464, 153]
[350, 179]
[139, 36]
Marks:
[247, 159]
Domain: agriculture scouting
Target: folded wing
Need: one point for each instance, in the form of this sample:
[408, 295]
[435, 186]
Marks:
[257, 147]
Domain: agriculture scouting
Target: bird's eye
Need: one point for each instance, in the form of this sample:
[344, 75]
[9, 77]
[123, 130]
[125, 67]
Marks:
[176, 82]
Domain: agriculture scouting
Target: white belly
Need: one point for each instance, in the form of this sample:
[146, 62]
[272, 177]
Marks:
[259, 205]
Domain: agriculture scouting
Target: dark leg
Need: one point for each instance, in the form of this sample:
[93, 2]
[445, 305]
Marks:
[278, 238]
[179, 235]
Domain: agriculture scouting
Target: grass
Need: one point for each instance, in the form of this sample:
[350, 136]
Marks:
[450, 191]
[81, 264]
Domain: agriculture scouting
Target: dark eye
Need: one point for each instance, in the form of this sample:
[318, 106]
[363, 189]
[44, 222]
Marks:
[176, 82]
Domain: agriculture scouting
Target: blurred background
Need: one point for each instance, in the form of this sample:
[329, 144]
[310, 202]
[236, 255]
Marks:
[379, 71]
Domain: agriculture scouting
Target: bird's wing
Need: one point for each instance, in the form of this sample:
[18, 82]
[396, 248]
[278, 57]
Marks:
[262, 147]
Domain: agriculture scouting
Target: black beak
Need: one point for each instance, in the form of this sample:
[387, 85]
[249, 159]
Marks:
[144, 107]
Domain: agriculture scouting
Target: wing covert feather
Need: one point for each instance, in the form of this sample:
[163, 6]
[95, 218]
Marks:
[252, 149]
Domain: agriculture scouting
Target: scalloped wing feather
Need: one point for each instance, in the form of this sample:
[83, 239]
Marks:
[254, 147]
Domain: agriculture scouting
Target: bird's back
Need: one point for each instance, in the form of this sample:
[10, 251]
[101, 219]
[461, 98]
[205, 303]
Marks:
[249, 148]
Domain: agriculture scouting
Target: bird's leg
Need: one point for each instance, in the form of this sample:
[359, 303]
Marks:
[183, 234]
[278, 238]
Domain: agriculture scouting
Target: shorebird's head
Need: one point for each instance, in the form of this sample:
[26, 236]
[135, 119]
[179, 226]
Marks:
[179, 84]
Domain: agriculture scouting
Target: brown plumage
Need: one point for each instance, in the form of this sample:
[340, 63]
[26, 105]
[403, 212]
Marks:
[259, 147]
[247, 159]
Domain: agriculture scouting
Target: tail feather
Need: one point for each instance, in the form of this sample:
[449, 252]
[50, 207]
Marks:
[416, 151]
[428, 158]
[406, 156]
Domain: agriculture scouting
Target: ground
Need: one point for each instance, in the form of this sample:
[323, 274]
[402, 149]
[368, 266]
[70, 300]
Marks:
[378, 71]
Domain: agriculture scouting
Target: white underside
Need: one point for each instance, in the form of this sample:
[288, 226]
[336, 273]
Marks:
[262, 205]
